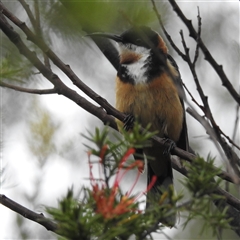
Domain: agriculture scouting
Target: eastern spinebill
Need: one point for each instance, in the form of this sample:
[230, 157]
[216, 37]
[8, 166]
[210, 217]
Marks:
[149, 88]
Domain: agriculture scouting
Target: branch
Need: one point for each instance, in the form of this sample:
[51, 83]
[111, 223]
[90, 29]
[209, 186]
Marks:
[69, 93]
[39, 32]
[191, 157]
[235, 125]
[25, 212]
[198, 37]
[65, 68]
[180, 53]
[232, 203]
[29, 12]
[59, 86]
[232, 212]
[218, 68]
[28, 90]
[231, 155]
[231, 200]
[216, 131]
[234, 158]
[35, 23]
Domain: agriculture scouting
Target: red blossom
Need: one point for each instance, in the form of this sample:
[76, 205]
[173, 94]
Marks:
[107, 203]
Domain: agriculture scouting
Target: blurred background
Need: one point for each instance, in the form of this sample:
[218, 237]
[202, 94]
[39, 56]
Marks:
[42, 151]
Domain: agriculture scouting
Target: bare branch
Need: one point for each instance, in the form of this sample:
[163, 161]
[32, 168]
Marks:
[227, 149]
[236, 125]
[28, 90]
[186, 58]
[65, 68]
[29, 12]
[60, 87]
[38, 31]
[218, 68]
[191, 157]
[166, 33]
[25, 212]
[198, 37]
[35, 23]
[236, 122]
[231, 155]
[231, 211]
[64, 90]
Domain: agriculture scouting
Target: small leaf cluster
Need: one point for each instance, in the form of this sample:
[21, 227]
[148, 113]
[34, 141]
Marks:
[201, 184]
[75, 219]
[114, 150]
[201, 176]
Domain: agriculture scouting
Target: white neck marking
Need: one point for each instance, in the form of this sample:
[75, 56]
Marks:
[137, 69]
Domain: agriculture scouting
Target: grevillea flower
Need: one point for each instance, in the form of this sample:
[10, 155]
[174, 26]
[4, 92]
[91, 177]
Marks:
[106, 200]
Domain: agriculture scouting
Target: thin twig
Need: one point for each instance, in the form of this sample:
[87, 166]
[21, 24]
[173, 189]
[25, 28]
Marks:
[187, 59]
[201, 107]
[65, 68]
[60, 87]
[63, 89]
[38, 31]
[236, 127]
[69, 93]
[212, 134]
[29, 12]
[232, 205]
[198, 37]
[165, 31]
[208, 57]
[28, 90]
[230, 154]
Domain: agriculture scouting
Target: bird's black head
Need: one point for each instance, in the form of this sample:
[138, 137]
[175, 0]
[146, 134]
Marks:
[142, 53]
[140, 36]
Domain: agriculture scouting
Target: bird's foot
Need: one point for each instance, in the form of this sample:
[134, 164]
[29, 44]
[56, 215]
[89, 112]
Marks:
[128, 122]
[171, 145]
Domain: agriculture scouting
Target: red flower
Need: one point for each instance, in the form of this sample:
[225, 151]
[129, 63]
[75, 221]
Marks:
[107, 203]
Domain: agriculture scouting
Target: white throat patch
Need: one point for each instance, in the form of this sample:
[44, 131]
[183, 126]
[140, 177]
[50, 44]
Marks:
[137, 69]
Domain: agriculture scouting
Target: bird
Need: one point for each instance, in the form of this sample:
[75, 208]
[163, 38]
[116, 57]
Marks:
[149, 89]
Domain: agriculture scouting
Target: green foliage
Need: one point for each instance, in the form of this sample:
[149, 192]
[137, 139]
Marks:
[11, 71]
[42, 130]
[201, 185]
[201, 176]
[117, 149]
[105, 212]
[137, 138]
[75, 220]
[92, 14]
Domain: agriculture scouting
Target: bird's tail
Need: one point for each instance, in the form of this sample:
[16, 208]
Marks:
[160, 193]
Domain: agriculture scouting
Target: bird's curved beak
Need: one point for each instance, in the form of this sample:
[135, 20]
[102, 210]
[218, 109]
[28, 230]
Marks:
[116, 38]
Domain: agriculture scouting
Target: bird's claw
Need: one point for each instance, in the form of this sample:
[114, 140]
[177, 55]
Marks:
[128, 122]
[167, 150]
